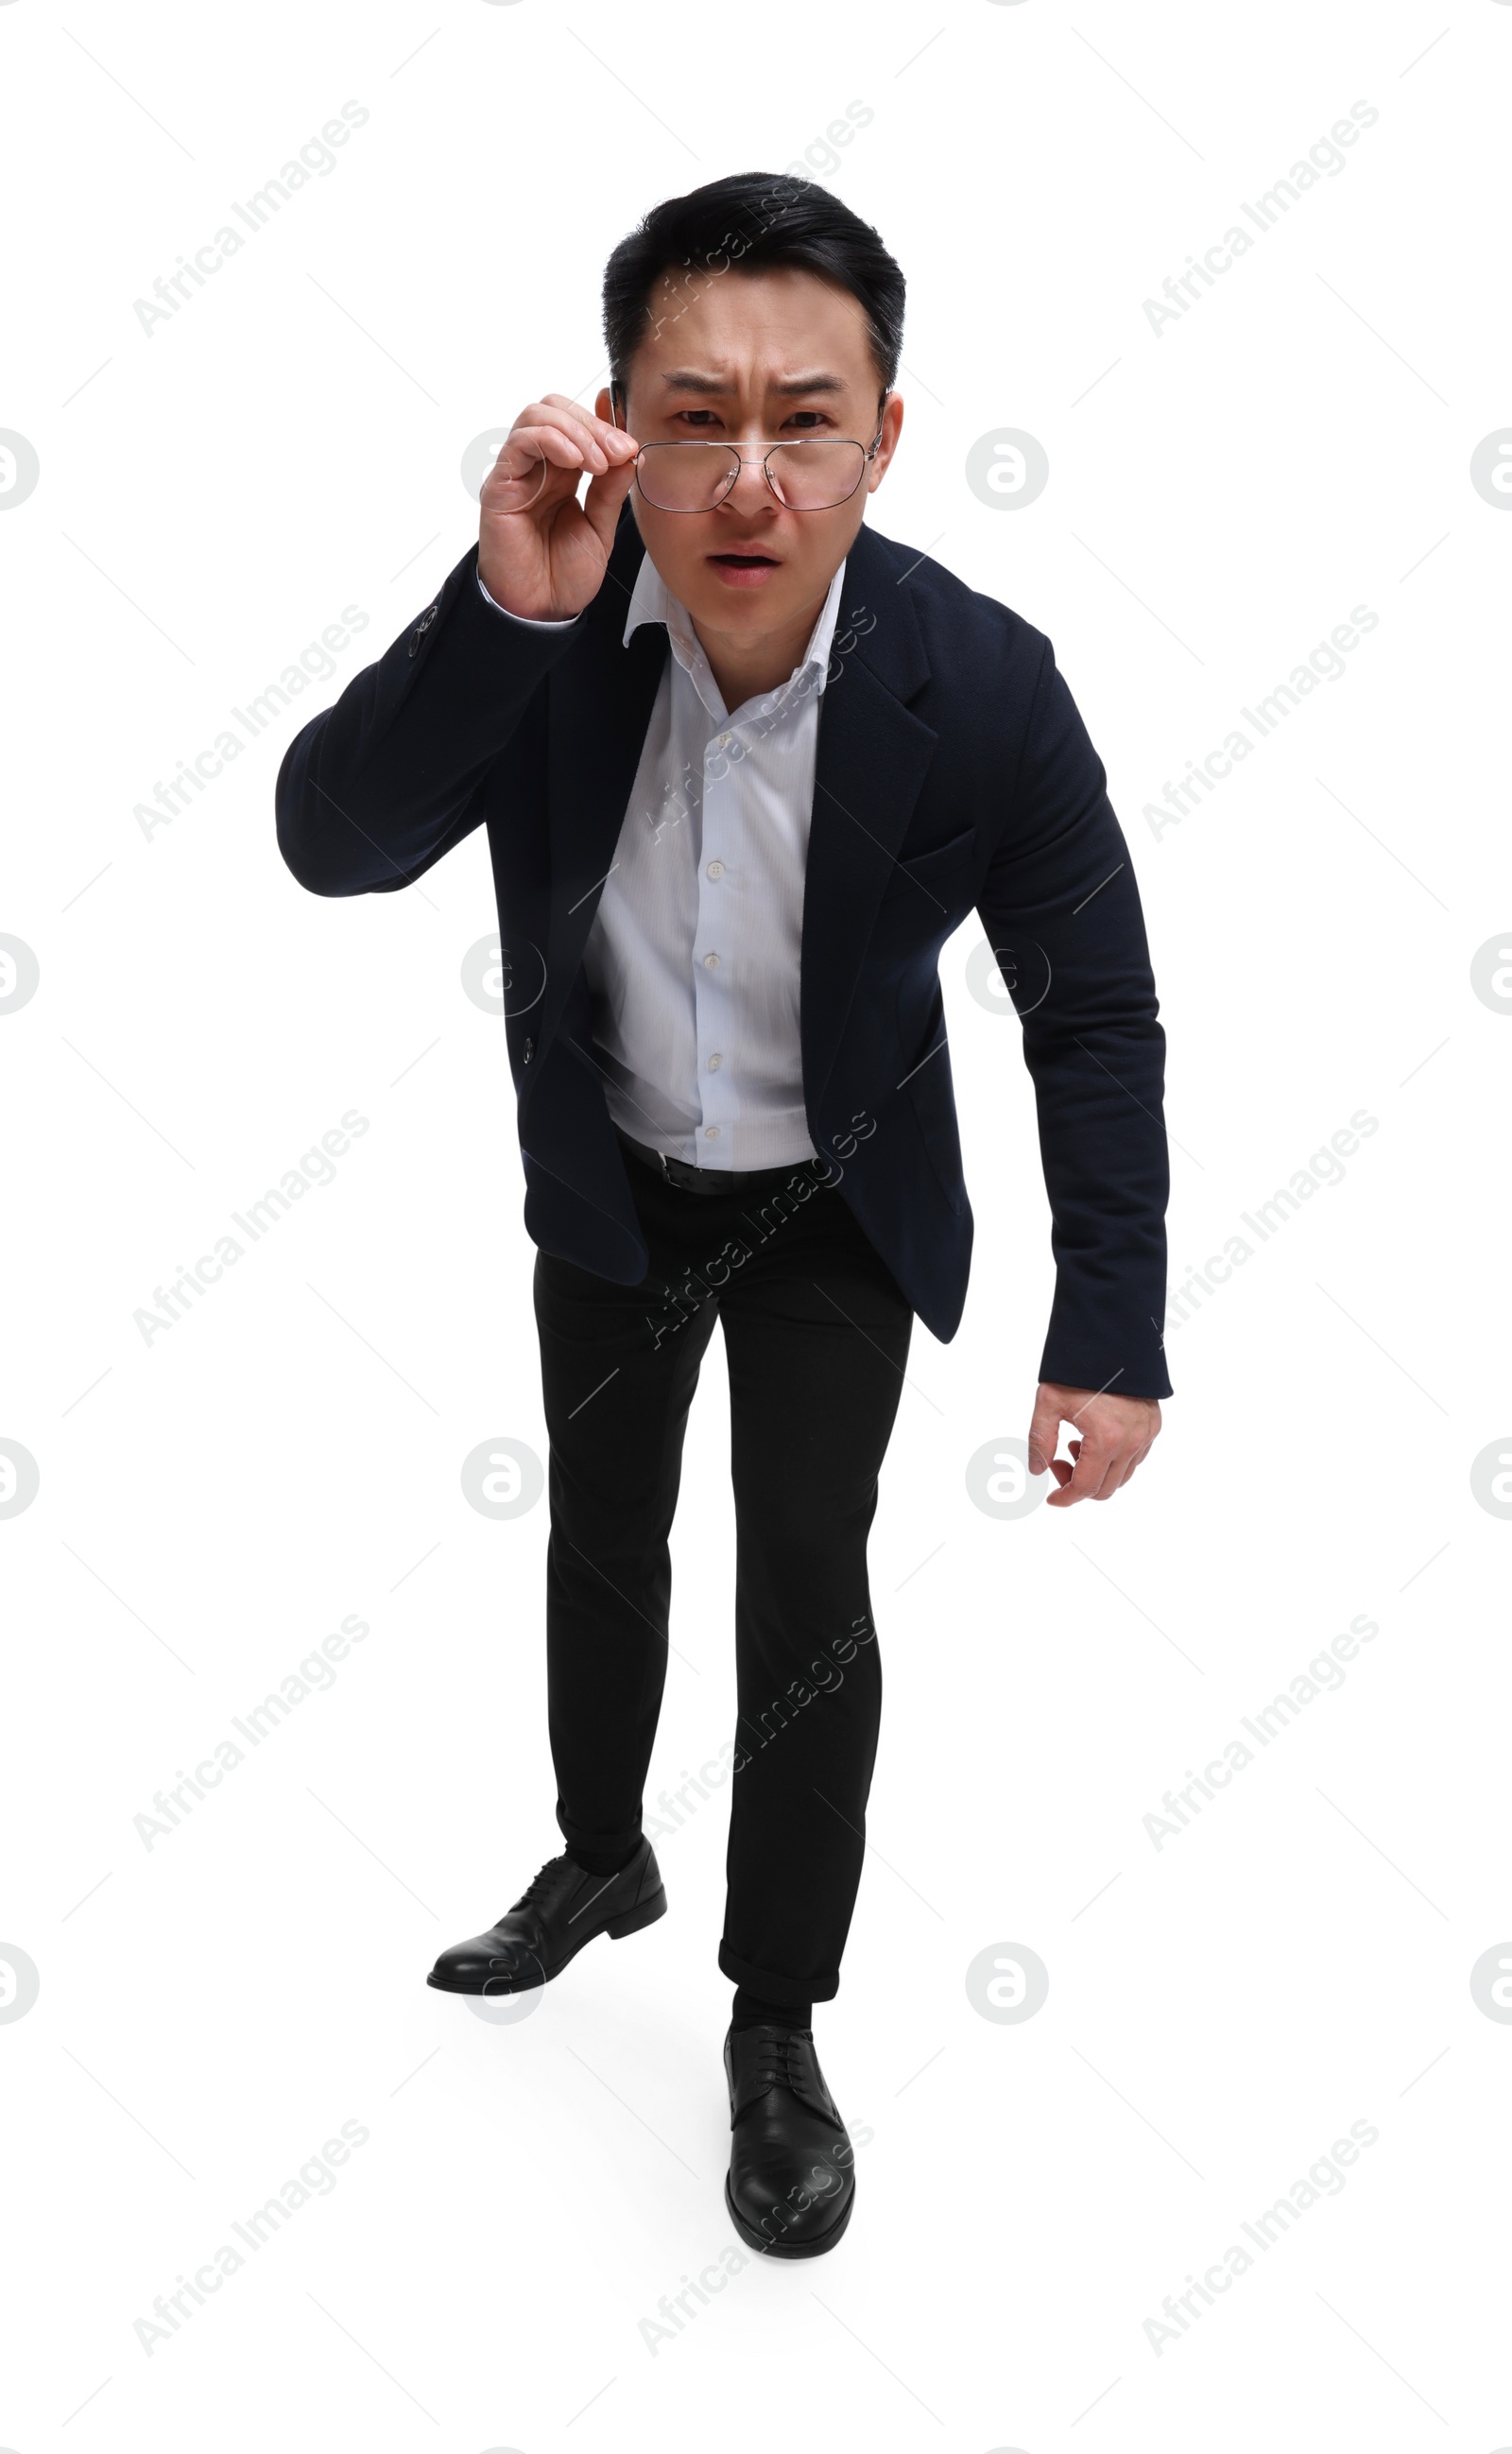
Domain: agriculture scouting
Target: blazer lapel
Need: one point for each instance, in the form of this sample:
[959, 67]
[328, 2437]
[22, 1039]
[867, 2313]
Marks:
[872, 757]
[600, 704]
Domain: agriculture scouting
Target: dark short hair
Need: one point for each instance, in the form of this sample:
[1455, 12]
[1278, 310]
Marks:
[747, 223]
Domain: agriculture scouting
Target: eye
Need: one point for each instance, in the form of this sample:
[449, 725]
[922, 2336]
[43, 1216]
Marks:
[693, 417]
[819, 418]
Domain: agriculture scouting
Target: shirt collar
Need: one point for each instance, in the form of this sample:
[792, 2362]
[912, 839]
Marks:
[651, 600]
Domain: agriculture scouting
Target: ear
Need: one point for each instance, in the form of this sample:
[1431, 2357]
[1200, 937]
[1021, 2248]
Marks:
[891, 429]
[605, 406]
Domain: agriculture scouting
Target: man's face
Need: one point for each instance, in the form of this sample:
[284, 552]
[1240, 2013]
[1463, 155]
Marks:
[755, 358]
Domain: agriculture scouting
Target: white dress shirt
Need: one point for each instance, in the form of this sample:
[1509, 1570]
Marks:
[692, 960]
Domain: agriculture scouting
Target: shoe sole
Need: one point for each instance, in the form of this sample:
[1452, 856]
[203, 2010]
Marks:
[645, 1913]
[759, 2241]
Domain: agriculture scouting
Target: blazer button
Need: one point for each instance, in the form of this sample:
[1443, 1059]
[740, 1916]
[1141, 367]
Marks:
[421, 628]
[530, 1050]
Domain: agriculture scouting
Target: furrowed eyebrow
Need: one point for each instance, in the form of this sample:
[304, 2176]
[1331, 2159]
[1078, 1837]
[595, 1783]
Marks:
[689, 379]
[796, 384]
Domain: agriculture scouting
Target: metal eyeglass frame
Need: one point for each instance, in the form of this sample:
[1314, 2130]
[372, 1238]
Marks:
[697, 443]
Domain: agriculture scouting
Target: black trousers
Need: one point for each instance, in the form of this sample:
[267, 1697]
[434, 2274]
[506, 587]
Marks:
[816, 1337]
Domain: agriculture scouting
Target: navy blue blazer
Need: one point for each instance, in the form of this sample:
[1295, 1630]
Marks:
[954, 773]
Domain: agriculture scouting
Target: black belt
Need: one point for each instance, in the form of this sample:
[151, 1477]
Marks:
[694, 1179]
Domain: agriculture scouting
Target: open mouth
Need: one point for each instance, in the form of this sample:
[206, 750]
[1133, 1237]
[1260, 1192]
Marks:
[744, 567]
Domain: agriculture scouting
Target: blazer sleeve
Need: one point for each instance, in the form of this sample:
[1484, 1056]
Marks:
[1062, 911]
[374, 791]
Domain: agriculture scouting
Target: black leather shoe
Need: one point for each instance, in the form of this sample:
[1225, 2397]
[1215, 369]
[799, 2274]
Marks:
[554, 1916]
[792, 2182]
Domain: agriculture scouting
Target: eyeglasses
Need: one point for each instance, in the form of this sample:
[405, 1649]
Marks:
[813, 474]
[816, 473]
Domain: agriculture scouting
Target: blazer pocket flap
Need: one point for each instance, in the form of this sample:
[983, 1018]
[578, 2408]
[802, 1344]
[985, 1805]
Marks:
[943, 872]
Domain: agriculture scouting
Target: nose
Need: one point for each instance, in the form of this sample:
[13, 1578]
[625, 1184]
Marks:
[751, 489]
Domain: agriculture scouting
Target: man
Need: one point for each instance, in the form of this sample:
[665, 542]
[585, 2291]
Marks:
[744, 765]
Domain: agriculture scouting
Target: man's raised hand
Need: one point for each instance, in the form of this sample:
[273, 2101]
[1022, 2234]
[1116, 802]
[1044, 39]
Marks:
[541, 552]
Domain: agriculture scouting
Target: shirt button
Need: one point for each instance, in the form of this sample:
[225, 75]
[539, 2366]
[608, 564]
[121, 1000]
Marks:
[715, 1062]
[710, 962]
[710, 1133]
[716, 869]
[723, 741]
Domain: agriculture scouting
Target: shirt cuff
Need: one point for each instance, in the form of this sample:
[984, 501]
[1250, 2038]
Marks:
[530, 620]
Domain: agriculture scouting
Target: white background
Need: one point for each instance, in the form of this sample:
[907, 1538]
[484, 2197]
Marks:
[1220, 2010]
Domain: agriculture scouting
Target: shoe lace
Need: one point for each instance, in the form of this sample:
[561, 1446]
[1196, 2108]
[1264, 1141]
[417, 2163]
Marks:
[541, 1886]
[776, 2063]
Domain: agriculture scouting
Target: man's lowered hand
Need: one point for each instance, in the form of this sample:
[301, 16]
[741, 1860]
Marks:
[1115, 1437]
